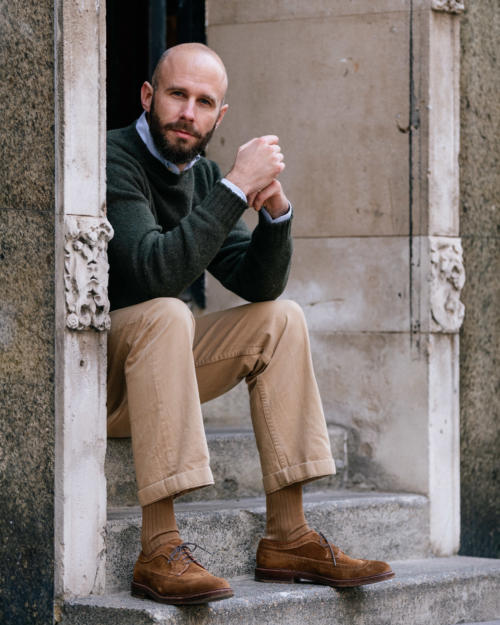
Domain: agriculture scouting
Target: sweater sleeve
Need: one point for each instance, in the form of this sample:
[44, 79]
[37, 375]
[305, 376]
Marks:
[147, 262]
[255, 266]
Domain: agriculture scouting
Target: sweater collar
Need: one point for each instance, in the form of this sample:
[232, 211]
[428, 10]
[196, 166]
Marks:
[142, 128]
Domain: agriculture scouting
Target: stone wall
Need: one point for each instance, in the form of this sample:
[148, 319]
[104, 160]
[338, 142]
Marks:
[27, 312]
[480, 230]
[364, 98]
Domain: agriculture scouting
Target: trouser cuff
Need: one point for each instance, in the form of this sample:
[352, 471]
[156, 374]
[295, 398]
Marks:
[305, 472]
[175, 485]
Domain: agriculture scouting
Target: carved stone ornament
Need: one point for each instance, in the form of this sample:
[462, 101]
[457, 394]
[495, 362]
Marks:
[86, 273]
[448, 6]
[447, 281]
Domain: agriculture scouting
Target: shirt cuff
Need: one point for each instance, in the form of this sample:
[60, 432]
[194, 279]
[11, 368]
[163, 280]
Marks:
[279, 219]
[234, 188]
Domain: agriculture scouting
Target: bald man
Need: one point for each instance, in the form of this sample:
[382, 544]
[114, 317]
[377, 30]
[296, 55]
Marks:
[175, 216]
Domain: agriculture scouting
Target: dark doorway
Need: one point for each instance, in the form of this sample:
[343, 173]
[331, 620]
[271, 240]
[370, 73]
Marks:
[137, 34]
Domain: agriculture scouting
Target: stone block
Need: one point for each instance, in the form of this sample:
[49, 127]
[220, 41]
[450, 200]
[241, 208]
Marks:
[480, 398]
[340, 108]
[234, 461]
[375, 384]
[351, 284]
[240, 12]
[444, 124]
[27, 96]
[26, 296]
[27, 499]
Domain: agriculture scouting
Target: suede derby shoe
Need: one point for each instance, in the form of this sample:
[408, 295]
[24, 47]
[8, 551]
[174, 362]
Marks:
[312, 558]
[171, 575]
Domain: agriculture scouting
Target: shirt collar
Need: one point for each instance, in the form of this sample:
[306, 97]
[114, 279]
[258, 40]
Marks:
[142, 128]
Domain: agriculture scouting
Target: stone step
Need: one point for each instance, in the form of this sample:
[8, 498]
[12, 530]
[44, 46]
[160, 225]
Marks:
[371, 525]
[234, 461]
[497, 622]
[437, 591]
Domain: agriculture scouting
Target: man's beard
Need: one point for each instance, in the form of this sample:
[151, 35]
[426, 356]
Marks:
[176, 153]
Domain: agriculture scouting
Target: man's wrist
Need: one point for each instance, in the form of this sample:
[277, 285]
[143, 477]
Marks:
[237, 181]
[234, 188]
[276, 220]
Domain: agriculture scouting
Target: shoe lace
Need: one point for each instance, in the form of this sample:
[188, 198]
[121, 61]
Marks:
[329, 547]
[184, 552]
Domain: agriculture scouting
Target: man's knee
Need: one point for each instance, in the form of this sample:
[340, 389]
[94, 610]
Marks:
[288, 311]
[169, 312]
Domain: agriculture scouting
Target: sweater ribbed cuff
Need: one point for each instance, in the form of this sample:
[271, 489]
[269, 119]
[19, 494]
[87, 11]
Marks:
[276, 233]
[225, 204]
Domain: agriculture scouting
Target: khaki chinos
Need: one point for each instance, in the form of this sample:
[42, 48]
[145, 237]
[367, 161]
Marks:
[162, 363]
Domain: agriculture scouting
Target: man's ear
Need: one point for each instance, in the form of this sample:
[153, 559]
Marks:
[146, 96]
[222, 112]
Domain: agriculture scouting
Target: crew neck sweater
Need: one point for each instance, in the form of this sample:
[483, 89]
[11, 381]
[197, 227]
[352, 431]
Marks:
[169, 228]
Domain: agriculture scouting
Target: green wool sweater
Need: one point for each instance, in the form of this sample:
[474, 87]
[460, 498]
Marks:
[169, 228]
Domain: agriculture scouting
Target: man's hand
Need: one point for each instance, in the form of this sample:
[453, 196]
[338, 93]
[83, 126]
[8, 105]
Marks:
[272, 197]
[257, 164]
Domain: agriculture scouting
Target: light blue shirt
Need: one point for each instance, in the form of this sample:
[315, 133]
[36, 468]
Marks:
[142, 128]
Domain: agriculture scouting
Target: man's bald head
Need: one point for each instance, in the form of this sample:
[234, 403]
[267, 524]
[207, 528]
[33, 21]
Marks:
[191, 53]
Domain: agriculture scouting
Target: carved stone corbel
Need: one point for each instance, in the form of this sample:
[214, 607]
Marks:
[86, 273]
[447, 281]
[448, 6]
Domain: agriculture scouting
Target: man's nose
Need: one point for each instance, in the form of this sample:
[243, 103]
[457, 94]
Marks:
[188, 110]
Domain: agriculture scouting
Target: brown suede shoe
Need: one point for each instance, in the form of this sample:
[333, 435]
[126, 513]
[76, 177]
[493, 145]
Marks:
[172, 575]
[312, 558]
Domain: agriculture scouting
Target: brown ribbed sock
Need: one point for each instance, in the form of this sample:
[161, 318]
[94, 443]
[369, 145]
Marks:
[285, 519]
[158, 524]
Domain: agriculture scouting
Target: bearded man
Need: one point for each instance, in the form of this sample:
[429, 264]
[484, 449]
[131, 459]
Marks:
[174, 217]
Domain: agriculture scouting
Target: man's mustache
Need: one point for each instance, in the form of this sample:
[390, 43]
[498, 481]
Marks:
[182, 126]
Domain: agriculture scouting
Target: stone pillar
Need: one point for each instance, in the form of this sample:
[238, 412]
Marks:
[480, 230]
[364, 98]
[27, 304]
[82, 305]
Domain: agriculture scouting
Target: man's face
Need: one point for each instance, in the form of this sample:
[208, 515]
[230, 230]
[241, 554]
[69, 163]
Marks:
[178, 149]
[185, 106]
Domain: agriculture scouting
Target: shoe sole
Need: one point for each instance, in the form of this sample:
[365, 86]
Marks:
[143, 592]
[291, 577]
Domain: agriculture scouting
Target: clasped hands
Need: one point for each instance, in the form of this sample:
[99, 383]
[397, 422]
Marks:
[255, 170]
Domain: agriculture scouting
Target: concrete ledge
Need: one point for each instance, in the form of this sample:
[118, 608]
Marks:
[371, 525]
[438, 591]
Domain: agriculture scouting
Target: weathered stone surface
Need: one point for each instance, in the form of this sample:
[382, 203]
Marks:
[340, 108]
[372, 525]
[343, 284]
[234, 461]
[443, 118]
[27, 96]
[438, 591]
[240, 12]
[480, 229]
[27, 313]
[26, 500]
[26, 295]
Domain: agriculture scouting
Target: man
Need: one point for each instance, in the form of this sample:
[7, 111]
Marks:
[174, 216]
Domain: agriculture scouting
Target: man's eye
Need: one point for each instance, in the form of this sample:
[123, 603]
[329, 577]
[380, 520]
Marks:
[205, 102]
[177, 94]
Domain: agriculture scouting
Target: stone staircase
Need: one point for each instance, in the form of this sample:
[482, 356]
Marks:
[229, 518]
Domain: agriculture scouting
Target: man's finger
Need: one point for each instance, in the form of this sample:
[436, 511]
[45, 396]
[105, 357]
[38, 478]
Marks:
[251, 198]
[265, 194]
[270, 139]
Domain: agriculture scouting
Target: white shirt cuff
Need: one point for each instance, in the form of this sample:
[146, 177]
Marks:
[279, 219]
[235, 189]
